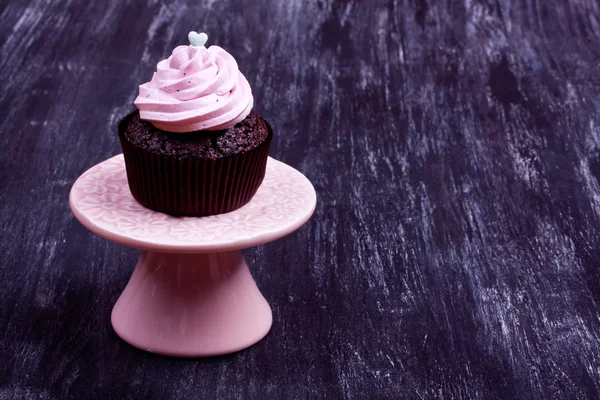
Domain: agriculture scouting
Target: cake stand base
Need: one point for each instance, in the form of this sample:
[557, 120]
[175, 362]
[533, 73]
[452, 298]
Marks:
[191, 305]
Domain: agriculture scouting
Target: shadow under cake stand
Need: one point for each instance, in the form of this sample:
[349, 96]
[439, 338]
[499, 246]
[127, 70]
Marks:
[191, 293]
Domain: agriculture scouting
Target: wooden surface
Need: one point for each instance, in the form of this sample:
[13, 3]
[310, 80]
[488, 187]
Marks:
[455, 150]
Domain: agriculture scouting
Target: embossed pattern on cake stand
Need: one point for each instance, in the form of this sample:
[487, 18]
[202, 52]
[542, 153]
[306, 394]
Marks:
[191, 293]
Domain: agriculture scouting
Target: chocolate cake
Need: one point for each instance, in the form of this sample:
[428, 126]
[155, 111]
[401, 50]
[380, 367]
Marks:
[242, 137]
[195, 174]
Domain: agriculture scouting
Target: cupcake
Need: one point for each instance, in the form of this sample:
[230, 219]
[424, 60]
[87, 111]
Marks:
[195, 146]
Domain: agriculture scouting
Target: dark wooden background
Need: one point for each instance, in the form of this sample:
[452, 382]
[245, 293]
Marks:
[455, 149]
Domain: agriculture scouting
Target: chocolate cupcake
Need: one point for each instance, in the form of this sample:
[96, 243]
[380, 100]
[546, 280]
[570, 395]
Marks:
[195, 147]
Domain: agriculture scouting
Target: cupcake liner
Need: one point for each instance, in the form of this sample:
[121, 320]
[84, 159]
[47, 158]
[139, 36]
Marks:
[193, 187]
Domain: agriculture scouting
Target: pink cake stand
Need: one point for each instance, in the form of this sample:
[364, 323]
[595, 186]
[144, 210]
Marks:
[191, 293]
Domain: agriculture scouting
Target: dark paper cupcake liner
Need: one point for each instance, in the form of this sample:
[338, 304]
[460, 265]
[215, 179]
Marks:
[193, 187]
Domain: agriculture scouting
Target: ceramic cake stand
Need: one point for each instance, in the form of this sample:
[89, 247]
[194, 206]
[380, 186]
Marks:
[191, 293]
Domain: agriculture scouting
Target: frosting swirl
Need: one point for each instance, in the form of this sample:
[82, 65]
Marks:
[195, 89]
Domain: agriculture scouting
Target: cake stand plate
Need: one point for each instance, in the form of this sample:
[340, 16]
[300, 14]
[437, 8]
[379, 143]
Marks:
[191, 293]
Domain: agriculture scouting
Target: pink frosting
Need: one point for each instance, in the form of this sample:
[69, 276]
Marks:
[195, 89]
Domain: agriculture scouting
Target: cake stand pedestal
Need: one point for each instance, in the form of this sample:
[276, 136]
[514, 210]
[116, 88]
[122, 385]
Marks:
[191, 293]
